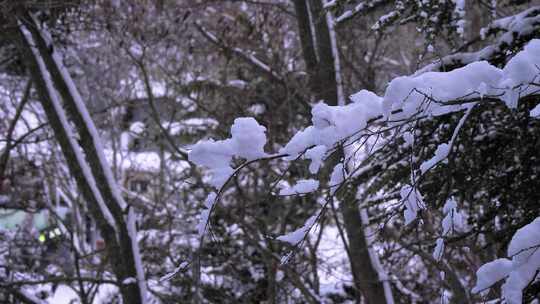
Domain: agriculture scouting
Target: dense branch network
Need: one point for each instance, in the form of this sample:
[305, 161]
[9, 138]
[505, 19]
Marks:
[407, 99]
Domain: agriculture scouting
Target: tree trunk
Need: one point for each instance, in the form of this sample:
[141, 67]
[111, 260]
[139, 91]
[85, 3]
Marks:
[325, 67]
[317, 49]
[366, 277]
[319, 60]
[45, 71]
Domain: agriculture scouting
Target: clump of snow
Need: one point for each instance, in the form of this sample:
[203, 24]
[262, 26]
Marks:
[300, 141]
[137, 128]
[205, 213]
[62, 295]
[452, 219]
[524, 251]
[449, 206]
[424, 92]
[337, 177]
[490, 273]
[257, 109]
[526, 237]
[521, 69]
[439, 249]
[414, 94]
[383, 20]
[130, 280]
[513, 28]
[482, 89]
[413, 201]
[443, 150]
[440, 154]
[301, 187]
[248, 138]
[298, 235]
[316, 155]
[409, 138]
[216, 155]
[450, 222]
[332, 124]
[238, 83]
[247, 141]
[535, 112]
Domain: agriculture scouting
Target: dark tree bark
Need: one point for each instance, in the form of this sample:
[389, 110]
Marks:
[317, 49]
[320, 67]
[365, 276]
[325, 67]
[308, 46]
[119, 243]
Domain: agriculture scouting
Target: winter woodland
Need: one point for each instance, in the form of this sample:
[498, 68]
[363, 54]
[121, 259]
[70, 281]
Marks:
[270, 151]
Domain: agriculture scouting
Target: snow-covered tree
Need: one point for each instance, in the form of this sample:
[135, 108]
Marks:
[269, 151]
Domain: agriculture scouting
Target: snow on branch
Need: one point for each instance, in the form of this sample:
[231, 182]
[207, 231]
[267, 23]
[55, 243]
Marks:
[332, 124]
[182, 267]
[360, 8]
[296, 237]
[299, 234]
[519, 270]
[205, 213]
[70, 134]
[451, 222]
[414, 202]
[301, 187]
[85, 115]
[515, 29]
[247, 141]
[443, 150]
[97, 167]
[478, 79]
[407, 99]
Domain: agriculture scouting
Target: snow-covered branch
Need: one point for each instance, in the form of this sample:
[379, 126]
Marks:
[407, 99]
